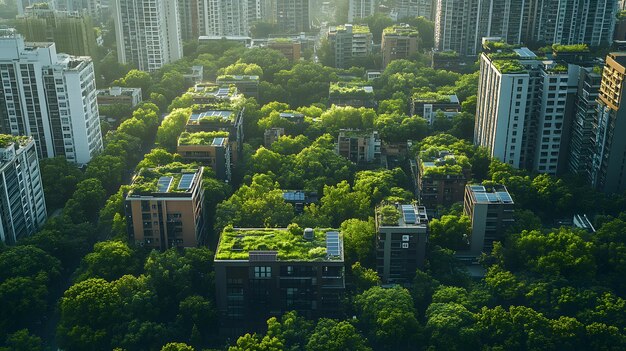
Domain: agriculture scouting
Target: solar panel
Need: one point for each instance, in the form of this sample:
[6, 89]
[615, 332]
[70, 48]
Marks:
[505, 197]
[479, 188]
[164, 184]
[481, 197]
[185, 181]
[333, 244]
[293, 195]
[218, 141]
[491, 197]
[408, 212]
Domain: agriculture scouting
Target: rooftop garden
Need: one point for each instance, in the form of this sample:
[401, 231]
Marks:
[401, 30]
[146, 180]
[497, 46]
[509, 66]
[438, 161]
[354, 90]
[223, 105]
[356, 29]
[236, 244]
[229, 77]
[502, 55]
[388, 215]
[558, 68]
[448, 54]
[200, 138]
[281, 41]
[431, 97]
[570, 48]
[8, 139]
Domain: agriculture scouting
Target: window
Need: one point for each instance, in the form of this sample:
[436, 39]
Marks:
[262, 272]
[405, 238]
[405, 245]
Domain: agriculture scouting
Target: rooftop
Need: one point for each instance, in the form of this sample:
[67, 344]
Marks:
[294, 195]
[172, 178]
[281, 243]
[236, 78]
[435, 97]
[401, 215]
[496, 194]
[401, 29]
[353, 89]
[438, 161]
[356, 29]
[213, 90]
[570, 48]
[219, 138]
[212, 116]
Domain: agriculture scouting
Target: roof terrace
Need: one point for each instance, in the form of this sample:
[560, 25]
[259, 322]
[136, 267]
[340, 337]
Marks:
[173, 178]
[218, 138]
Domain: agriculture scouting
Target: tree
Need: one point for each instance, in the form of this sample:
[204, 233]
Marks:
[348, 117]
[254, 342]
[86, 201]
[377, 23]
[109, 260]
[306, 82]
[364, 278]
[177, 346]
[451, 232]
[22, 301]
[22, 340]
[108, 170]
[171, 128]
[241, 69]
[426, 30]
[450, 326]
[422, 290]
[59, 178]
[359, 241]
[137, 79]
[331, 335]
[340, 203]
[291, 329]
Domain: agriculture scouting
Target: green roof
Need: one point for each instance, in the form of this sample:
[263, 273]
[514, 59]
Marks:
[570, 48]
[356, 29]
[200, 138]
[7, 139]
[509, 66]
[229, 77]
[439, 161]
[150, 180]
[352, 89]
[236, 244]
[401, 30]
[431, 97]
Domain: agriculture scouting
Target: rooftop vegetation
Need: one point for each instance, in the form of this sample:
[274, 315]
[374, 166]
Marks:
[356, 29]
[354, 90]
[509, 66]
[7, 139]
[401, 30]
[558, 68]
[497, 46]
[236, 244]
[200, 138]
[431, 97]
[229, 77]
[439, 161]
[570, 48]
[388, 215]
[146, 180]
[503, 55]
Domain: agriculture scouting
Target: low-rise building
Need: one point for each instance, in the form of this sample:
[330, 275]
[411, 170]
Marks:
[355, 94]
[358, 146]
[212, 39]
[164, 207]
[22, 202]
[195, 76]
[349, 42]
[208, 93]
[246, 85]
[427, 105]
[373, 75]
[290, 48]
[490, 209]
[398, 42]
[261, 273]
[402, 234]
[230, 121]
[271, 135]
[119, 95]
[440, 178]
[208, 148]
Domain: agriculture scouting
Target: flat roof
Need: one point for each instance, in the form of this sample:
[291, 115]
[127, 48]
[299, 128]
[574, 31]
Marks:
[164, 179]
[498, 194]
[225, 115]
[409, 215]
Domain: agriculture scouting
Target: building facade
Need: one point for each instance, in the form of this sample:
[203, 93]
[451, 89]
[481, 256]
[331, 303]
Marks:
[290, 48]
[360, 9]
[49, 96]
[359, 147]
[293, 16]
[227, 18]
[402, 234]
[193, 18]
[164, 208]
[490, 210]
[147, 33]
[439, 184]
[119, 95]
[427, 105]
[22, 202]
[349, 42]
[398, 42]
[211, 149]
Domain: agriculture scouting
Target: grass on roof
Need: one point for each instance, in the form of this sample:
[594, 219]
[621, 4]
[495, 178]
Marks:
[7, 139]
[235, 244]
[146, 180]
[200, 138]
[431, 97]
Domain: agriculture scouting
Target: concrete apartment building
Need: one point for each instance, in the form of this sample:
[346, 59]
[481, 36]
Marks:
[229, 121]
[490, 210]
[290, 48]
[227, 18]
[358, 146]
[147, 33]
[293, 16]
[440, 179]
[360, 9]
[119, 95]
[257, 276]
[49, 96]
[71, 32]
[609, 149]
[355, 93]
[211, 149]
[428, 105]
[402, 234]
[246, 85]
[413, 8]
[398, 42]
[193, 18]
[349, 42]
[164, 208]
[526, 105]
[22, 203]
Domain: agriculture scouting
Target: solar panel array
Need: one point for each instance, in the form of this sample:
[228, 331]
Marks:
[481, 195]
[164, 184]
[222, 92]
[218, 141]
[505, 197]
[333, 244]
[293, 195]
[212, 113]
[185, 181]
[408, 213]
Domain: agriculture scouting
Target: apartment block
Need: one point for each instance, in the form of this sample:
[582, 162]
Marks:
[360, 9]
[147, 33]
[358, 146]
[354, 93]
[49, 96]
[119, 95]
[193, 18]
[22, 202]
[349, 42]
[246, 85]
[490, 209]
[227, 18]
[293, 16]
[71, 32]
[291, 49]
[271, 135]
[441, 178]
[211, 149]
[428, 105]
[398, 42]
[609, 149]
[229, 121]
[265, 272]
[208, 93]
[402, 234]
[413, 8]
[164, 207]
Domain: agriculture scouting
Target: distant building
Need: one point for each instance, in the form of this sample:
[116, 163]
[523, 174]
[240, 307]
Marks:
[398, 42]
[582, 222]
[404, 9]
[355, 94]
[373, 75]
[195, 76]
[299, 199]
[271, 135]
[207, 148]
[230, 121]
[359, 147]
[441, 179]
[164, 208]
[147, 33]
[291, 49]
[210, 39]
[22, 202]
[490, 209]
[258, 276]
[119, 95]
[208, 93]
[246, 85]
[427, 105]
[293, 16]
[402, 234]
[358, 9]
[193, 18]
[49, 96]
[227, 17]
[349, 42]
[71, 32]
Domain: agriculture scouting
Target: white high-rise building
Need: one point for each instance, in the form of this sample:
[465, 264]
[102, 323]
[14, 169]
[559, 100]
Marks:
[228, 17]
[360, 9]
[22, 203]
[147, 32]
[49, 96]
